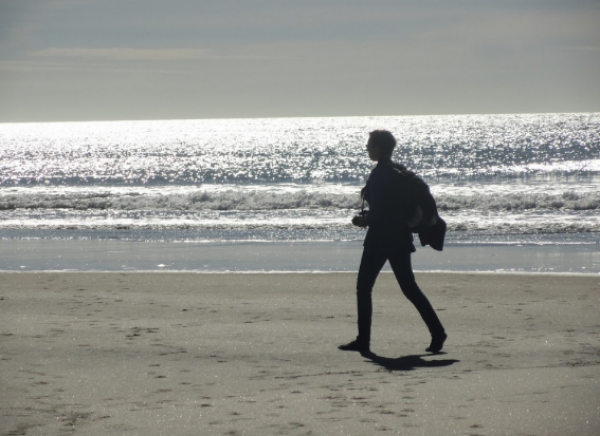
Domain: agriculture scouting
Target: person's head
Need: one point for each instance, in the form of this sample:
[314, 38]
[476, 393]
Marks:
[381, 145]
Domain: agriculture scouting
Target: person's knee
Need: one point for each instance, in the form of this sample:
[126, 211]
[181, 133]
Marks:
[410, 288]
[363, 290]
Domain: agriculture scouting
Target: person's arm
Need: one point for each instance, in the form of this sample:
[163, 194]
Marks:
[362, 219]
[377, 198]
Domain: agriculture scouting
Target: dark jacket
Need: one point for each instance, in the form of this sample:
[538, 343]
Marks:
[434, 235]
[387, 214]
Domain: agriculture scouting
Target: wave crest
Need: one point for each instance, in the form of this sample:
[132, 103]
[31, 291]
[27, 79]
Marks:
[273, 199]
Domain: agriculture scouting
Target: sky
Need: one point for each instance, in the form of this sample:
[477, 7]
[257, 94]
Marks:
[75, 60]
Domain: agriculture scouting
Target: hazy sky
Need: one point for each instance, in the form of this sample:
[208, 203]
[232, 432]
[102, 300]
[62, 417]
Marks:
[158, 59]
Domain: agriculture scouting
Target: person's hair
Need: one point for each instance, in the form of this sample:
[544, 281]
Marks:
[384, 141]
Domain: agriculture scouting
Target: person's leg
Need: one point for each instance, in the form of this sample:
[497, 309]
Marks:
[370, 265]
[402, 267]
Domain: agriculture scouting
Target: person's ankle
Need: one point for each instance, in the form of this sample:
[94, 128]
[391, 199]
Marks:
[356, 345]
[437, 342]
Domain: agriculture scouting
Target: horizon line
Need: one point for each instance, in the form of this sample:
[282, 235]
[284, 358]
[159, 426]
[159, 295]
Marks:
[293, 117]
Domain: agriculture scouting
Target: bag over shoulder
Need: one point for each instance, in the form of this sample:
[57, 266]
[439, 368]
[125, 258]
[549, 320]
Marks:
[418, 207]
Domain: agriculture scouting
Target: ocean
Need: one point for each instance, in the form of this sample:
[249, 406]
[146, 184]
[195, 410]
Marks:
[503, 183]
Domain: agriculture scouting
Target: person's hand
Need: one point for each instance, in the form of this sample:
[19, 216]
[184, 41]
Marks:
[360, 221]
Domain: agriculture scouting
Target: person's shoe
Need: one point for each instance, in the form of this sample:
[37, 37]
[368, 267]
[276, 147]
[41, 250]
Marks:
[356, 345]
[437, 343]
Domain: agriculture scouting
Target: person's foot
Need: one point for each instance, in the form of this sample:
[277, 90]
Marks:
[437, 343]
[356, 345]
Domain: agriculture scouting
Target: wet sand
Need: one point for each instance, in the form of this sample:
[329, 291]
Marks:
[255, 354]
[102, 255]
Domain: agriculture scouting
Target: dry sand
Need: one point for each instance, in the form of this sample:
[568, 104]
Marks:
[241, 354]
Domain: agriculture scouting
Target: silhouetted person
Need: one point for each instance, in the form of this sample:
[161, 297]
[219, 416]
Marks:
[389, 237]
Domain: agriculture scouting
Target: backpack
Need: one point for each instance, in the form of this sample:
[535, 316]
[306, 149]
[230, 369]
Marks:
[417, 207]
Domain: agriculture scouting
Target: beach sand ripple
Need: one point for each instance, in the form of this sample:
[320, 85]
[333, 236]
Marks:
[255, 354]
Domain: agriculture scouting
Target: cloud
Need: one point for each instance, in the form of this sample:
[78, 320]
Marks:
[192, 58]
[21, 21]
[588, 48]
[124, 54]
[120, 53]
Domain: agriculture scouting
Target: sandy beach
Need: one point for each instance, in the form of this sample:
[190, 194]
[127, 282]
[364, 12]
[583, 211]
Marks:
[255, 354]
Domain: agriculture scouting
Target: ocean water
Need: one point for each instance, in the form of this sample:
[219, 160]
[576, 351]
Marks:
[499, 180]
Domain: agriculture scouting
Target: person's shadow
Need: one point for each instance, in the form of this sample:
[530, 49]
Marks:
[408, 363]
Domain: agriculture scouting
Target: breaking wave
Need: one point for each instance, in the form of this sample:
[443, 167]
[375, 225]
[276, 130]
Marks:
[343, 197]
[297, 178]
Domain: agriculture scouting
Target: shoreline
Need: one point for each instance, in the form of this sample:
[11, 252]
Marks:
[300, 272]
[109, 255]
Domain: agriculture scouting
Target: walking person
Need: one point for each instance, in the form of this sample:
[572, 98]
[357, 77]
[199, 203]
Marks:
[389, 238]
